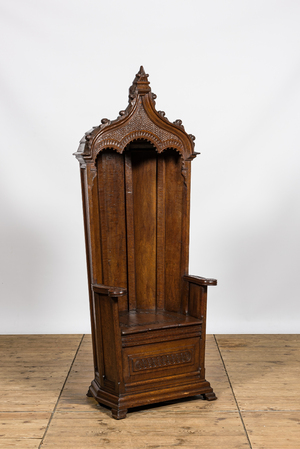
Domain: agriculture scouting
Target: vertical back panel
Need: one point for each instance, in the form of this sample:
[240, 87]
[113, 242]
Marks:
[186, 186]
[130, 232]
[161, 232]
[111, 189]
[173, 235]
[144, 203]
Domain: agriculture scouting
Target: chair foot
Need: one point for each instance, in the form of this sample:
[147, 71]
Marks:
[89, 393]
[119, 414]
[209, 396]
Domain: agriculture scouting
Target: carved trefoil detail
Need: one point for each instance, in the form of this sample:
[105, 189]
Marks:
[161, 361]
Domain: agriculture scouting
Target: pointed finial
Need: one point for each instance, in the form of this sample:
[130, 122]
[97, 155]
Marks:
[140, 85]
[142, 71]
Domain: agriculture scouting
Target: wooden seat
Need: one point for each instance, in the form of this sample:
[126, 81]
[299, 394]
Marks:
[148, 315]
[137, 321]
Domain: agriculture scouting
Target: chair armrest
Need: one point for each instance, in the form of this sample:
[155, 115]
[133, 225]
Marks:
[199, 280]
[109, 291]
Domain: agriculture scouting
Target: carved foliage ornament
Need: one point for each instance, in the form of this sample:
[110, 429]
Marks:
[139, 120]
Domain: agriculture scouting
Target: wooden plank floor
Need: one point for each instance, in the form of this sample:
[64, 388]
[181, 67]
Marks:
[44, 378]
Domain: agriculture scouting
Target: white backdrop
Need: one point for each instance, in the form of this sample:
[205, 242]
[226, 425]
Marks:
[230, 70]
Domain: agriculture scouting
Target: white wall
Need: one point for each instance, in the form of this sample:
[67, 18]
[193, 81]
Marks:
[230, 70]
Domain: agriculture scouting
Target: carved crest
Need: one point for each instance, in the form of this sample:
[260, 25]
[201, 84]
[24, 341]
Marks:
[140, 120]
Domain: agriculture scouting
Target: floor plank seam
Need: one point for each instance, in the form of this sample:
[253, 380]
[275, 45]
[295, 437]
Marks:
[61, 391]
[236, 402]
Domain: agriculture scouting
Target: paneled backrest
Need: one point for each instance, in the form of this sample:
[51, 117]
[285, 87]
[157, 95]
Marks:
[143, 222]
[136, 186]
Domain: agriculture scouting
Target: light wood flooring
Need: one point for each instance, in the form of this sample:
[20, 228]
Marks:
[44, 379]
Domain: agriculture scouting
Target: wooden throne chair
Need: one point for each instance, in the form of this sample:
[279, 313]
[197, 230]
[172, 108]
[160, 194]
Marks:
[148, 315]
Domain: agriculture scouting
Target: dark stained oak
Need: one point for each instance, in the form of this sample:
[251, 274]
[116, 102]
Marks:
[148, 315]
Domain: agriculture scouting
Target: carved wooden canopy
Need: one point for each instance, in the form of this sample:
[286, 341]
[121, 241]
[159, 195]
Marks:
[140, 120]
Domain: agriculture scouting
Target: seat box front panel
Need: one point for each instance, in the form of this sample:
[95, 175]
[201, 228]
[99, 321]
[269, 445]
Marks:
[160, 360]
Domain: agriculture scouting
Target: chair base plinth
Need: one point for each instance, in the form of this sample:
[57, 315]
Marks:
[120, 404]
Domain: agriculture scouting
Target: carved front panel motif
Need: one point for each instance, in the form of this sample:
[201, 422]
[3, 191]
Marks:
[161, 361]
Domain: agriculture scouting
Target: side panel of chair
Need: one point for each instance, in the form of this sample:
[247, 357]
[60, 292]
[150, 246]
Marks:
[111, 194]
[92, 241]
[197, 305]
[108, 343]
[104, 221]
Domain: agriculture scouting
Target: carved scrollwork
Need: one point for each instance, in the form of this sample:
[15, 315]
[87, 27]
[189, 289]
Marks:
[184, 171]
